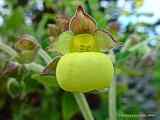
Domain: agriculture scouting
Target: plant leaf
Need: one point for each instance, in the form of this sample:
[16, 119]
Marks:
[47, 80]
[69, 106]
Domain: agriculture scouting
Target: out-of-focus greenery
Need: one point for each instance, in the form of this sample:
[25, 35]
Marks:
[23, 93]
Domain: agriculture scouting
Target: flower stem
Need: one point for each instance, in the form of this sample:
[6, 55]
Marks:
[34, 67]
[80, 98]
[112, 101]
[45, 56]
[8, 49]
[83, 105]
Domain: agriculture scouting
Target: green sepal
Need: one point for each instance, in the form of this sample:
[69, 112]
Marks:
[26, 56]
[104, 40]
[62, 45]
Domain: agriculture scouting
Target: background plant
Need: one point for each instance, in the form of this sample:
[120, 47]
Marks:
[24, 94]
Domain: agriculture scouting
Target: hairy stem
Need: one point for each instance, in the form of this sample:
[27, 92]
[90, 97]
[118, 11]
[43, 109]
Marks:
[112, 101]
[83, 105]
[8, 49]
[45, 56]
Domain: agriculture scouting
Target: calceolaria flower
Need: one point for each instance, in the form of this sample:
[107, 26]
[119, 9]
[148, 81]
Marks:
[84, 67]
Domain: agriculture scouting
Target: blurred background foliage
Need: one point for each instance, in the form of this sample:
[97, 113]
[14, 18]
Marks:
[23, 93]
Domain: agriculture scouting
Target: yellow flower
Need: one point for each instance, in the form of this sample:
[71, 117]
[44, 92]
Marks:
[84, 72]
[84, 67]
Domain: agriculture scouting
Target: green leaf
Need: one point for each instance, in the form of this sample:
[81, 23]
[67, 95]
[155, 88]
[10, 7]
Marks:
[101, 21]
[69, 106]
[47, 80]
[48, 3]
[16, 19]
[63, 43]
[122, 57]
[41, 31]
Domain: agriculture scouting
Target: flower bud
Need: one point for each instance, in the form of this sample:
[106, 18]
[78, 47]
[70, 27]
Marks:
[26, 48]
[82, 22]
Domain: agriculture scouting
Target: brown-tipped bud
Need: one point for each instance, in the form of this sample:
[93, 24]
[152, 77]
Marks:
[53, 30]
[27, 49]
[62, 22]
[82, 22]
[114, 26]
[25, 42]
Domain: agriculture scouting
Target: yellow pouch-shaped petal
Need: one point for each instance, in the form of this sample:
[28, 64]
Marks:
[84, 71]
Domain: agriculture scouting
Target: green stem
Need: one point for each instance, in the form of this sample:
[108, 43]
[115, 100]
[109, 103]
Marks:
[45, 56]
[80, 98]
[112, 101]
[8, 49]
[83, 105]
[34, 67]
